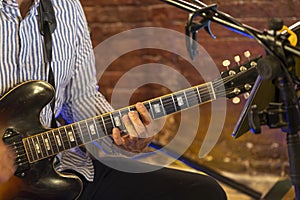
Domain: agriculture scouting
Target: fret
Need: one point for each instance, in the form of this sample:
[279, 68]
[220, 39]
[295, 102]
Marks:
[212, 91]
[117, 116]
[29, 150]
[192, 97]
[72, 137]
[162, 106]
[187, 101]
[168, 104]
[151, 110]
[118, 120]
[96, 129]
[180, 100]
[99, 126]
[50, 142]
[77, 137]
[205, 94]
[157, 108]
[65, 139]
[108, 123]
[174, 103]
[84, 138]
[112, 120]
[131, 108]
[91, 130]
[41, 144]
[199, 95]
[36, 148]
[58, 140]
[45, 145]
[52, 138]
[84, 127]
[104, 126]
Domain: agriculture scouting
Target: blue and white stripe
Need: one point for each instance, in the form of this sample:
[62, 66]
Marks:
[22, 59]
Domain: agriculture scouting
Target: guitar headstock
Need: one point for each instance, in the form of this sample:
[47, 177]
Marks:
[240, 78]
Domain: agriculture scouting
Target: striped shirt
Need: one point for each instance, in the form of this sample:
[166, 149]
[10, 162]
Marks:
[73, 65]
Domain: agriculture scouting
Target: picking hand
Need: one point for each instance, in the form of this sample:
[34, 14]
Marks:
[7, 163]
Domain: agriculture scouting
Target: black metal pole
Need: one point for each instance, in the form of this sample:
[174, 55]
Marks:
[225, 20]
[293, 120]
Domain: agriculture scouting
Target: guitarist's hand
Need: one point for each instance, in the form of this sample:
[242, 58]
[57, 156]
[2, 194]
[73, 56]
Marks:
[138, 136]
[7, 163]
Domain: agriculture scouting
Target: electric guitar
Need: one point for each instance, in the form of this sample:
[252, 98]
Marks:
[36, 145]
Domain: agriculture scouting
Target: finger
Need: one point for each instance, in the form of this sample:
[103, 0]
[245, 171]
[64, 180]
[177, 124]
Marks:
[128, 125]
[116, 134]
[144, 113]
[137, 123]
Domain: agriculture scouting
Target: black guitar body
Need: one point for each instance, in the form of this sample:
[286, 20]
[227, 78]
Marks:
[20, 117]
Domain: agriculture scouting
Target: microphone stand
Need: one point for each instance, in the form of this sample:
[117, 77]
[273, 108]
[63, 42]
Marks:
[274, 67]
[212, 14]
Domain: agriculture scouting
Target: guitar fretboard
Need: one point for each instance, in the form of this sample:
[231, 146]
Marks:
[52, 142]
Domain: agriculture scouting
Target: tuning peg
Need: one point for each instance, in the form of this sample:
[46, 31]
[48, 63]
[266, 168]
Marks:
[247, 86]
[226, 64]
[247, 54]
[253, 64]
[246, 95]
[236, 100]
[237, 59]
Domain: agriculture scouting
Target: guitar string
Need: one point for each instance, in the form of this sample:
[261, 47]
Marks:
[166, 103]
[201, 88]
[53, 152]
[26, 160]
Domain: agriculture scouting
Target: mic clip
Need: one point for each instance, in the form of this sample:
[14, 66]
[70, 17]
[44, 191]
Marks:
[191, 29]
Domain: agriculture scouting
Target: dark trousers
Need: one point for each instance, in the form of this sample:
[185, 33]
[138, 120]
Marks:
[161, 184]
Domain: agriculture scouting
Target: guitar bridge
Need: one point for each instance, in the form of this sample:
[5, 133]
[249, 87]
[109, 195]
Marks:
[14, 140]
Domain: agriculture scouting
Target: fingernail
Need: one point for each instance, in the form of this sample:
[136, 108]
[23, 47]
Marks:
[132, 113]
[139, 105]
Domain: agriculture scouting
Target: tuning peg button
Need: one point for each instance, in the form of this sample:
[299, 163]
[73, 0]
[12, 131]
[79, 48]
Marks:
[247, 54]
[246, 95]
[236, 100]
[226, 64]
[237, 59]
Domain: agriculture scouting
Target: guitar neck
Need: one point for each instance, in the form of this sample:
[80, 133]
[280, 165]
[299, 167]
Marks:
[51, 142]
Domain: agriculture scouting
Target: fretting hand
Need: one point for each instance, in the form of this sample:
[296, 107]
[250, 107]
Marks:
[139, 135]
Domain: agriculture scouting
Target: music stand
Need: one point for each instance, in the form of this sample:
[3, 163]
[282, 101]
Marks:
[262, 93]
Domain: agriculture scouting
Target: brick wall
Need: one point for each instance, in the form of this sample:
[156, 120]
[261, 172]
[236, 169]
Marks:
[263, 153]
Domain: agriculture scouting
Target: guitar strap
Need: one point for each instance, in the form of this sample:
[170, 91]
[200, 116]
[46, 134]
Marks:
[47, 25]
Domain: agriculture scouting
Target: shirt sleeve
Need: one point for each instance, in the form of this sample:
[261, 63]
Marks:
[82, 97]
